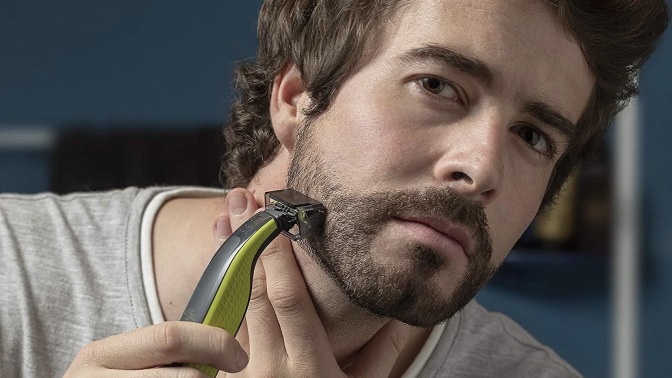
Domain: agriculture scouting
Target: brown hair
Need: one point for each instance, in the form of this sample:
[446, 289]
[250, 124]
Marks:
[616, 38]
[325, 40]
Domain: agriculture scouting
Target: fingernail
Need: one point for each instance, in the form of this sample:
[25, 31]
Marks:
[237, 203]
[223, 227]
[241, 359]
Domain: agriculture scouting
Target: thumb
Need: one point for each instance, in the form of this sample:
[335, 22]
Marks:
[379, 355]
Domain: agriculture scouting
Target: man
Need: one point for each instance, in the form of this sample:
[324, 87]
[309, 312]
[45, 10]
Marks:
[433, 131]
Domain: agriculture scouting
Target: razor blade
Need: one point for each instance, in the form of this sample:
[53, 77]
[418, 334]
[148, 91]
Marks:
[303, 215]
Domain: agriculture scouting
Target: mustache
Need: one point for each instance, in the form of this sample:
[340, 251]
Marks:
[437, 202]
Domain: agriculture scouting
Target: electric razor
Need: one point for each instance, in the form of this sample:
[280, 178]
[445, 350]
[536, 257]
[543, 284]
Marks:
[223, 292]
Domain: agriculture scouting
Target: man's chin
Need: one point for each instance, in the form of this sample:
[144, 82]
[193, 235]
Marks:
[410, 310]
[408, 283]
[415, 301]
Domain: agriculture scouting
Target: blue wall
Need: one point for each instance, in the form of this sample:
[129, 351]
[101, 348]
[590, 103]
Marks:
[107, 60]
[656, 99]
[164, 62]
[171, 62]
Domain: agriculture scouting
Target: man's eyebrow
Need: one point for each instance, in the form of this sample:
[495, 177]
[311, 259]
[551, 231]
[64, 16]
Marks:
[554, 118]
[431, 52]
[480, 70]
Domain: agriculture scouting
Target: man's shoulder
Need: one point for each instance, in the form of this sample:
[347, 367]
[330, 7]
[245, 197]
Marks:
[111, 200]
[12, 201]
[81, 212]
[484, 343]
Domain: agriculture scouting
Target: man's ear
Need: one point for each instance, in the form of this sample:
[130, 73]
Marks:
[285, 107]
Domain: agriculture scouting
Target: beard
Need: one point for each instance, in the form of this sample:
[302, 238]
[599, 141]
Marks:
[346, 247]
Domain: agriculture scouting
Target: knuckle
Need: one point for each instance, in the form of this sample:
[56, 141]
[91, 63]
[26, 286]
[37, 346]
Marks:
[287, 300]
[167, 338]
[258, 288]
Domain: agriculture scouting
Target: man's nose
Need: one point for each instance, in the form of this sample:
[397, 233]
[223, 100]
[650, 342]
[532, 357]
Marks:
[473, 163]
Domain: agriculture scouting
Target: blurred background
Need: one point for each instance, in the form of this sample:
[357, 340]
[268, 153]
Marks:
[107, 94]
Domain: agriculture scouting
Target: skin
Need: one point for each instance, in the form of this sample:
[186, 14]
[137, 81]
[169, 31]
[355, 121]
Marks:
[472, 135]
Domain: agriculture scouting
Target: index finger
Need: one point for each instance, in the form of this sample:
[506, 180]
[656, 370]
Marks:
[301, 327]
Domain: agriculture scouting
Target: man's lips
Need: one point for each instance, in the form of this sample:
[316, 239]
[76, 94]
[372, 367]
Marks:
[448, 229]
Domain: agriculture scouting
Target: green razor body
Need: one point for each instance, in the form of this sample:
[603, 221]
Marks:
[222, 295]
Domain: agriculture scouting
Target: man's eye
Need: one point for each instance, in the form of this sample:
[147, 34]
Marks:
[439, 87]
[538, 141]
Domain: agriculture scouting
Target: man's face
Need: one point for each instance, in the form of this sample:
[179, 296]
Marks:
[436, 153]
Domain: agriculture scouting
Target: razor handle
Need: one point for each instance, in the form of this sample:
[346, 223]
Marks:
[223, 293]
